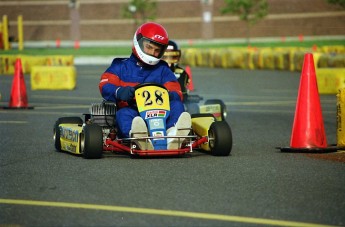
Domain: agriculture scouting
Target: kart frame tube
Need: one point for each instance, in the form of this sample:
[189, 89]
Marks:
[115, 146]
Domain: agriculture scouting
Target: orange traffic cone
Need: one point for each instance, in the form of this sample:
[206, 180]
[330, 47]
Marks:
[308, 133]
[76, 44]
[18, 97]
[190, 85]
[58, 43]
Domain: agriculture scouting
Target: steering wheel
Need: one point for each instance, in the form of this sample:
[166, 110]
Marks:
[149, 84]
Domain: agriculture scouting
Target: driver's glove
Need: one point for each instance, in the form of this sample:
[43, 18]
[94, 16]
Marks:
[125, 93]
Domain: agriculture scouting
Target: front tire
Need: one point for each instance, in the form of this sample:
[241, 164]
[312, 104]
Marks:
[220, 138]
[63, 120]
[92, 141]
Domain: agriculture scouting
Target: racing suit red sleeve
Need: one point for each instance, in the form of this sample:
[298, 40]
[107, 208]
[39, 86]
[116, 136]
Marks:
[109, 83]
[174, 86]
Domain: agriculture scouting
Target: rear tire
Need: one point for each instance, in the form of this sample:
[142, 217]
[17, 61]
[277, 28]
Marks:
[92, 141]
[220, 138]
[63, 120]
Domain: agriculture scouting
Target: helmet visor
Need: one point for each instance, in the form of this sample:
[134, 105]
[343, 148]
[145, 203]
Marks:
[172, 56]
[152, 48]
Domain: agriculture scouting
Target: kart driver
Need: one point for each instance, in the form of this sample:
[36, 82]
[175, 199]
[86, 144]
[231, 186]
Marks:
[172, 56]
[144, 66]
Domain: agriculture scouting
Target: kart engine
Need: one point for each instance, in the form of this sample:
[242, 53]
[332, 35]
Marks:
[103, 114]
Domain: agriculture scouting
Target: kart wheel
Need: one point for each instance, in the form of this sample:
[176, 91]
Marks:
[64, 120]
[222, 106]
[91, 141]
[220, 138]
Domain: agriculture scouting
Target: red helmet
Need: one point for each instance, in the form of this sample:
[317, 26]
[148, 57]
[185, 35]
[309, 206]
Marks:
[150, 42]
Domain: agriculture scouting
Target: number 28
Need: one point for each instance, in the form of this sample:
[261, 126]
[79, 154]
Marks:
[157, 97]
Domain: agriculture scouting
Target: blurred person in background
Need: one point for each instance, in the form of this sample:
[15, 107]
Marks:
[172, 56]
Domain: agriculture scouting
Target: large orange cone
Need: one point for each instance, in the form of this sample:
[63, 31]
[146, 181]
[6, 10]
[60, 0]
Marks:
[308, 133]
[190, 85]
[18, 97]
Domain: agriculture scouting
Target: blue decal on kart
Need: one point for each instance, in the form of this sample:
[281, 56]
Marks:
[156, 123]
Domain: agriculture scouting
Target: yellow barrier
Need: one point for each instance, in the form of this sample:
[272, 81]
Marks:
[281, 60]
[212, 58]
[235, 58]
[297, 60]
[330, 80]
[249, 58]
[60, 60]
[337, 61]
[268, 59]
[219, 59]
[341, 118]
[7, 62]
[284, 58]
[188, 57]
[53, 78]
[323, 61]
[31, 61]
[333, 49]
[204, 58]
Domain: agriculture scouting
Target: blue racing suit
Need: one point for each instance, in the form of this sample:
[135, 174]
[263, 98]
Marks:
[130, 72]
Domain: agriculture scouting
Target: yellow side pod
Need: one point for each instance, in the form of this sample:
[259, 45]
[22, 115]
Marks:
[201, 128]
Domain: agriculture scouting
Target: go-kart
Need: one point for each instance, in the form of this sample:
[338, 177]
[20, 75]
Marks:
[97, 134]
[216, 107]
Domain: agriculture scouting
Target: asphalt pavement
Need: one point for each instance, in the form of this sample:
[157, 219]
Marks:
[257, 185]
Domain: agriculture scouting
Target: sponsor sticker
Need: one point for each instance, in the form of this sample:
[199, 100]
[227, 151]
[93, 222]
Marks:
[155, 113]
[70, 147]
[158, 134]
[69, 134]
[156, 123]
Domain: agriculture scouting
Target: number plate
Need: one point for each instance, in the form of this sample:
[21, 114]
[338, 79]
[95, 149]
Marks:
[152, 97]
